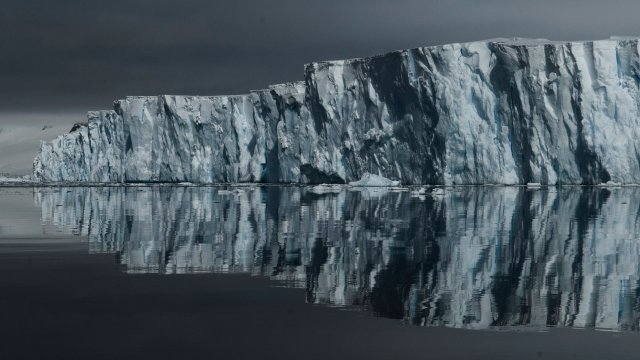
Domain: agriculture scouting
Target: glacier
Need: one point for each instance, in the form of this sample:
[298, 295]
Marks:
[500, 111]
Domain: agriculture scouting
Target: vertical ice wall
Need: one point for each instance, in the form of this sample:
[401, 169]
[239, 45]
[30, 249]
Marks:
[185, 138]
[504, 111]
[191, 138]
[499, 111]
[290, 137]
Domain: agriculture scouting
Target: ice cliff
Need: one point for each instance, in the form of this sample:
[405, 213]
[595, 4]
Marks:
[507, 111]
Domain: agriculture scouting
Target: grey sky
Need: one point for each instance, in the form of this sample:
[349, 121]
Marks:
[72, 56]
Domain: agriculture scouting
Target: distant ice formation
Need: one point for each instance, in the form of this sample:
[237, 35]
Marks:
[503, 111]
[26, 179]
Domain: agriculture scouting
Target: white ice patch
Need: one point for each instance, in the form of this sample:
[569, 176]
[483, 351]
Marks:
[372, 180]
[16, 179]
[325, 189]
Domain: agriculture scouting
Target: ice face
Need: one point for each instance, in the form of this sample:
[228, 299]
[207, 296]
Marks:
[64, 158]
[191, 138]
[503, 111]
[106, 145]
[509, 112]
[290, 139]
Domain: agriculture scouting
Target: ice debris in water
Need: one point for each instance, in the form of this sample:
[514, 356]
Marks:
[325, 189]
[235, 192]
[437, 192]
[374, 181]
[610, 184]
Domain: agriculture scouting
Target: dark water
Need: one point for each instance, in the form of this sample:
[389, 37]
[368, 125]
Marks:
[472, 257]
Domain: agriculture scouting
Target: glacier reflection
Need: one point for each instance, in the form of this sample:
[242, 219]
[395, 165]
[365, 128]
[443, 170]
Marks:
[471, 258]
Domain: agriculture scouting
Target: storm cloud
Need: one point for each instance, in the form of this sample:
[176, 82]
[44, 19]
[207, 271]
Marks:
[81, 55]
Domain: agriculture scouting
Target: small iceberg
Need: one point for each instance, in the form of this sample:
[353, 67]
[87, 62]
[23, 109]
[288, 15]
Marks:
[231, 192]
[325, 189]
[420, 193]
[371, 180]
[610, 184]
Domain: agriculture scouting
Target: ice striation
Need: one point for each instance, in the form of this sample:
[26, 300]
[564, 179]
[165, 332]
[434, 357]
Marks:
[468, 258]
[503, 111]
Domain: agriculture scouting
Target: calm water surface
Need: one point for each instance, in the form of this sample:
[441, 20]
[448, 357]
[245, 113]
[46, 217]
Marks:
[472, 257]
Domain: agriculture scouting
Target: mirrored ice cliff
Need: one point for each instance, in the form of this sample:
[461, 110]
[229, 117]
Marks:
[469, 257]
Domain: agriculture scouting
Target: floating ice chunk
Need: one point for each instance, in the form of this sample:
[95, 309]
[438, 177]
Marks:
[419, 191]
[399, 189]
[419, 194]
[534, 185]
[437, 192]
[610, 184]
[325, 189]
[372, 180]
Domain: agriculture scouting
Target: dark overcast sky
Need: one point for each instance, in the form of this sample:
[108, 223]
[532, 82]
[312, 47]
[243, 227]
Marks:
[80, 55]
